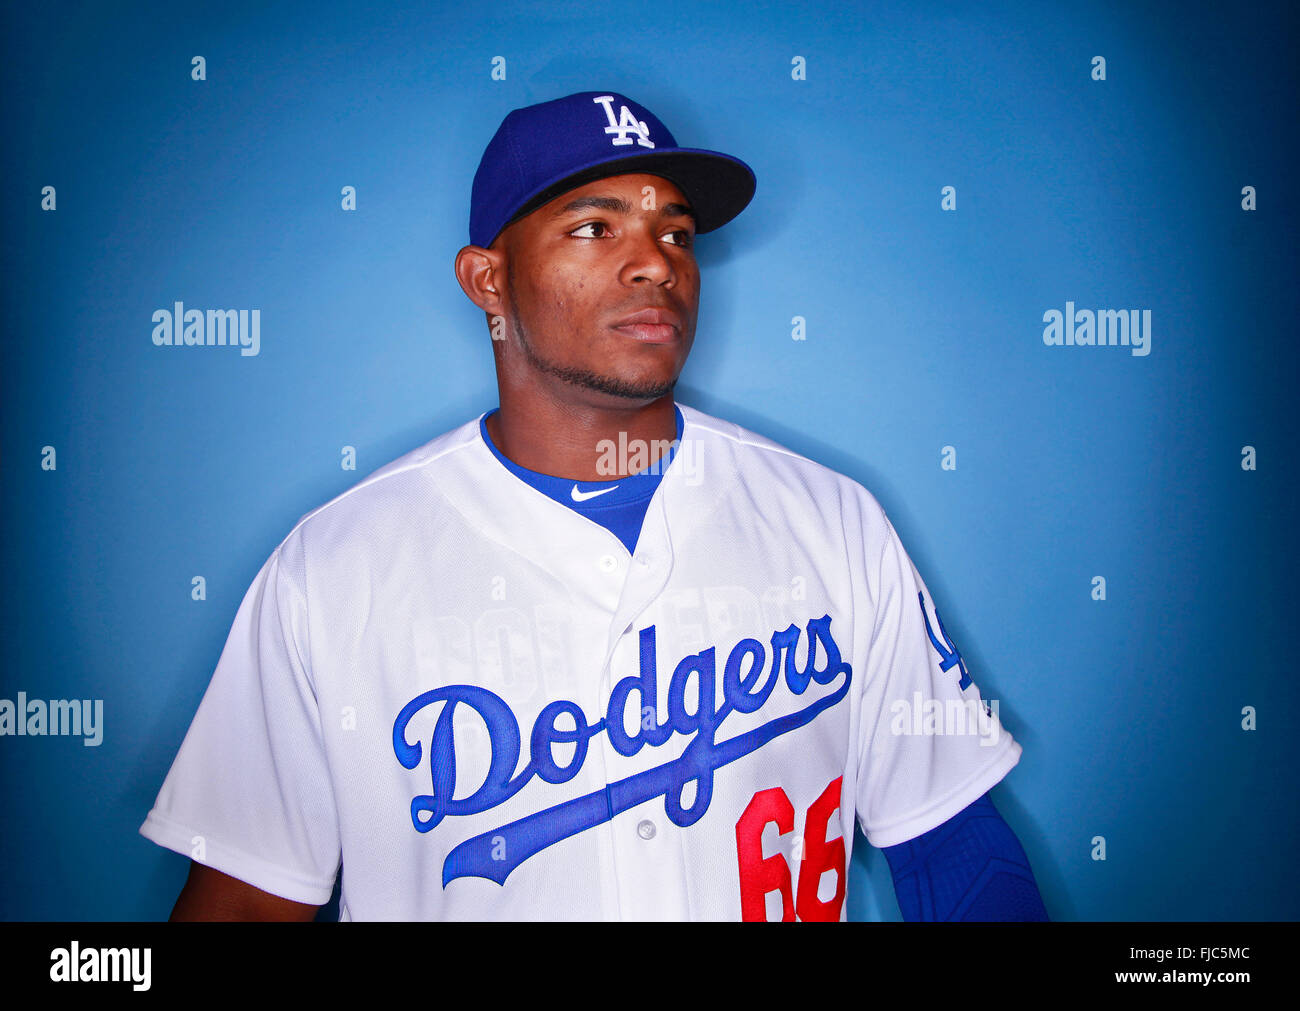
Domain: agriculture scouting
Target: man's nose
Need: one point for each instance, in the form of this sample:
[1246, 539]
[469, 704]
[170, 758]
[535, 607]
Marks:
[648, 260]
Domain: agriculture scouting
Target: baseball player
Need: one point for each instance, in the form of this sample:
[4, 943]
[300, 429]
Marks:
[594, 654]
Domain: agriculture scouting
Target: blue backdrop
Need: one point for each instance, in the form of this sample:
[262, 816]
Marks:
[1155, 719]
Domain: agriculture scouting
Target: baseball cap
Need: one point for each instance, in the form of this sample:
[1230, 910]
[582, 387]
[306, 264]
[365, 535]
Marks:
[541, 151]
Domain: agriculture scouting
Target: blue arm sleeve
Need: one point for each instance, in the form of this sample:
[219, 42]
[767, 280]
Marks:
[972, 867]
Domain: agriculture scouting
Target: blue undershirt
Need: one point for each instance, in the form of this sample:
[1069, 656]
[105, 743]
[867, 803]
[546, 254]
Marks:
[619, 505]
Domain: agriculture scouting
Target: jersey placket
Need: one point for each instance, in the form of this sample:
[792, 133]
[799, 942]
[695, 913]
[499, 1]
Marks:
[646, 846]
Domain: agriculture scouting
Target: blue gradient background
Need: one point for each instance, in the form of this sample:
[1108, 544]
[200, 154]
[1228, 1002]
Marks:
[924, 330]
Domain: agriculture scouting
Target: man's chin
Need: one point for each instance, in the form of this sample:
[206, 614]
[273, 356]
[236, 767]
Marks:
[641, 391]
[635, 385]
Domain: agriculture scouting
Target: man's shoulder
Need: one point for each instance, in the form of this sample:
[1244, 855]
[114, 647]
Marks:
[395, 490]
[760, 458]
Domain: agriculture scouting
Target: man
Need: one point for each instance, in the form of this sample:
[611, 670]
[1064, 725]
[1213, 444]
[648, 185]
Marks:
[593, 655]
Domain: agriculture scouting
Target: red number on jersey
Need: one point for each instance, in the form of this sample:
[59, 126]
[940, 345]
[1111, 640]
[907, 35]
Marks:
[759, 876]
[820, 856]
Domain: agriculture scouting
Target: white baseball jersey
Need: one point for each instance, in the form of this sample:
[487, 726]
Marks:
[480, 706]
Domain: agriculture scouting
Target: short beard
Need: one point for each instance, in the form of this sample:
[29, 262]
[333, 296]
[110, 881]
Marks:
[585, 378]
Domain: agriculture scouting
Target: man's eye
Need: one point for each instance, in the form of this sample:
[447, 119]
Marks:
[681, 237]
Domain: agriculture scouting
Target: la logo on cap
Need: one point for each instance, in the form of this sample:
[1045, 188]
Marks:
[625, 124]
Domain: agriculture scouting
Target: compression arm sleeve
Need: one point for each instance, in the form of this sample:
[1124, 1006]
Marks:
[972, 867]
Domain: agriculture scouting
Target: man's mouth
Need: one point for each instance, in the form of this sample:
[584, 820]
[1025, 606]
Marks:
[653, 326]
[650, 333]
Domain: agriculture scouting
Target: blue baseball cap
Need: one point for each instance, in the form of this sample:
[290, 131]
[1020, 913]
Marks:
[541, 151]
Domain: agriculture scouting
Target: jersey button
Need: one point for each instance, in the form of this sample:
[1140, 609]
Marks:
[646, 829]
[608, 563]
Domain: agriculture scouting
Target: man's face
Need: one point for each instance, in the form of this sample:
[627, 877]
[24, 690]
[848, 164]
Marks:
[578, 267]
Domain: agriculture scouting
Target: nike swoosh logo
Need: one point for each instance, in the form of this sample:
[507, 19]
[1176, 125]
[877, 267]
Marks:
[582, 496]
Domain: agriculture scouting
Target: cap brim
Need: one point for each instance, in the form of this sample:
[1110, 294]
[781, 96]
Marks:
[717, 185]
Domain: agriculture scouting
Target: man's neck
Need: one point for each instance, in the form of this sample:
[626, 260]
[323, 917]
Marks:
[582, 442]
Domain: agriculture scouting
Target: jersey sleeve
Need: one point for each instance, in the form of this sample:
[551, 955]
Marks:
[249, 792]
[931, 744]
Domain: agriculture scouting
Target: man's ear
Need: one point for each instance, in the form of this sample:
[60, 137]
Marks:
[479, 272]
